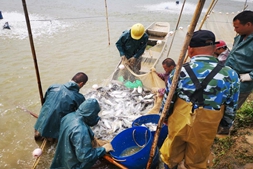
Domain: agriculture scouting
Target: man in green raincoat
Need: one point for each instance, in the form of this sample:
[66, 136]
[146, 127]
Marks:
[131, 46]
[241, 56]
[60, 99]
[75, 145]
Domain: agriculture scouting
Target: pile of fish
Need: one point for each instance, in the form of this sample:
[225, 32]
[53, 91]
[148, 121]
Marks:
[120, 106]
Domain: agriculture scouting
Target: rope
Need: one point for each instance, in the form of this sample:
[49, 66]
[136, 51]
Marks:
[36, 162]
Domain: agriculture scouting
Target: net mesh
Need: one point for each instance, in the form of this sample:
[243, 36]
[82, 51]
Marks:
[217, 22]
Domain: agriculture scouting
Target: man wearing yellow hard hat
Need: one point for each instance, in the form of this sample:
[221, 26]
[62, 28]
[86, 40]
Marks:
[131, 46]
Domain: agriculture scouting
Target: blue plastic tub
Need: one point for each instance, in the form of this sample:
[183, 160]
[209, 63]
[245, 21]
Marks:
[152, 118]
[132, 138]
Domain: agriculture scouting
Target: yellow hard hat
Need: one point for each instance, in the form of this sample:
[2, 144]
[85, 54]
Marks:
[137, 30]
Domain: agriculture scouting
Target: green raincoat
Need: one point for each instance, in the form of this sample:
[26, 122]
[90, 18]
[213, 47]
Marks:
[59, 101]
[74, 149]
[241, 60]
[130, 47]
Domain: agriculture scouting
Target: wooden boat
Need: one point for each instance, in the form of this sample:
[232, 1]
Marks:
[158, 33]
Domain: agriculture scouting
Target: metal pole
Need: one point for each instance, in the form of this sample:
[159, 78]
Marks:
[33, 51]
[173, 86]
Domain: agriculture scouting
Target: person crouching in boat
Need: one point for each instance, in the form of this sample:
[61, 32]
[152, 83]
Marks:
[75, 147]
[168, 65]
[131, 46]
[60, 99]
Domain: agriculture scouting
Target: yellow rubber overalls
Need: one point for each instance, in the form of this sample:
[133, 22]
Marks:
[191, 133]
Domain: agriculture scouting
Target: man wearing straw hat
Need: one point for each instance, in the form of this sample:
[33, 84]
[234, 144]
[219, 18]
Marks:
[207, 94]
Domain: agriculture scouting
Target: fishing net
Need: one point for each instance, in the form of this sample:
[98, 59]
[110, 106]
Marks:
[220, 23]
[158, 33]
[132, 80]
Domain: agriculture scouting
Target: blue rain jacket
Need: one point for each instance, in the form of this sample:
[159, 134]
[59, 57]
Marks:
[74, 149]
[241, 60]
[59, 101]
[130, 47]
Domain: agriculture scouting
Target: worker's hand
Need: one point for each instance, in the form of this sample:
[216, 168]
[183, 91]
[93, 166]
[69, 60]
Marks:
[94, 143]
[132, 61]
[108, 147]
[245, 77]
[124, 61]
[161, 92]
[123, 58]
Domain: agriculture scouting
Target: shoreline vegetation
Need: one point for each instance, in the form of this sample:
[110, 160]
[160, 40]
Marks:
[236, 151]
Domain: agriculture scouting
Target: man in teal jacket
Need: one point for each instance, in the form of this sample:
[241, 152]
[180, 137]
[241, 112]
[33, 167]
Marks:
[59, 101]
[75, 148]
[241, 55]
[131, 46]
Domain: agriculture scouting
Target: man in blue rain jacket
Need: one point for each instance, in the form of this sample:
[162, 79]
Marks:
[60, 99]
[75, 148]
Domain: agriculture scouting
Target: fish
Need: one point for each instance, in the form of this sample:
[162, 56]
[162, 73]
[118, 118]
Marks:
[120, 106]
[139, 89]
[149, 96]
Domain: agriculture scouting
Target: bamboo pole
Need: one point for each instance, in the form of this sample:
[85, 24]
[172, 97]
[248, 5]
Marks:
[208, 12]
[173, 86]
[33, 50]
[37, 160]
[245, 5]
[179, 18]
[37, 73]
[107, 23]
[211, 6]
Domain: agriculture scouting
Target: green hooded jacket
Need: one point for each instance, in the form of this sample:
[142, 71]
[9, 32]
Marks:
[74, 149]
[59, 101]
[241, 60]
